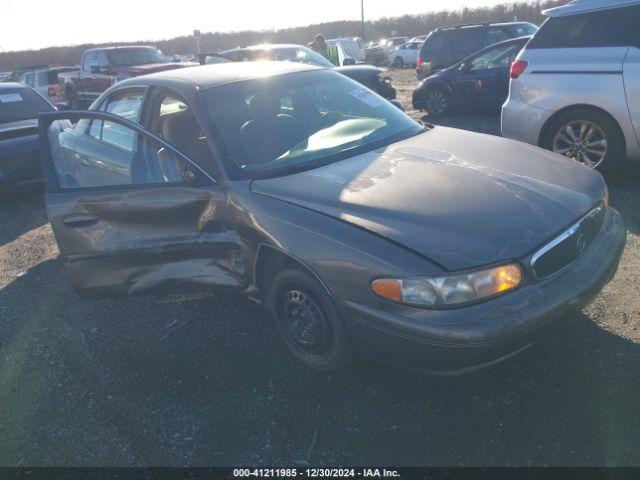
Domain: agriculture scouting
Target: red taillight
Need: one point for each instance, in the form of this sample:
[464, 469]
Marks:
[517, 68]
[53, 91]
[419, 60]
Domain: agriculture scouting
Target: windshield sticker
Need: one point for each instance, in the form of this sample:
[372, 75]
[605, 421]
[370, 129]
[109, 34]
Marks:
[10, 97]
[368, 97]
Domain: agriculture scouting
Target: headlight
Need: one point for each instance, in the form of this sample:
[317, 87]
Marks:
[450, 290]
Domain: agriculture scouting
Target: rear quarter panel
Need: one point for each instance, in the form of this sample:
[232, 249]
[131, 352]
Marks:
[559, 78]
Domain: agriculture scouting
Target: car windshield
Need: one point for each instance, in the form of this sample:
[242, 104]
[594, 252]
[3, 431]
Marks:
[286, 123]
[123, 57]
[21, 104]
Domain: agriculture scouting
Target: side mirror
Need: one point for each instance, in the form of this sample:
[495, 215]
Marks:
[465, 67]
[96, 69]
[348, 61]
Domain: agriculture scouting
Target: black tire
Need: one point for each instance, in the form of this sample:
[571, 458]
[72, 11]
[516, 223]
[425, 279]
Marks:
[318, 339]
[615, 149]
[398, 62]
[437, 101]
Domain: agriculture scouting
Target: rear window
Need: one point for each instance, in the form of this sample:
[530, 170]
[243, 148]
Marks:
[469, 40]
[610, 28]
[523, 30]
[437, 43]
[21, 104]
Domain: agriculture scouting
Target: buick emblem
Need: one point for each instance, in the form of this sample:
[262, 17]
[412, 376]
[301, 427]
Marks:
[581, 243]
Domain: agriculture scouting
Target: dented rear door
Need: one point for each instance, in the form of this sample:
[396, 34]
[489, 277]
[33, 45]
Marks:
[130, 214]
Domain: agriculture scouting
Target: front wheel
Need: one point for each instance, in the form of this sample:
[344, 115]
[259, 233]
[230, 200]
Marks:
[586, 136]
[398, 62]
[308, 321]
[438, 102]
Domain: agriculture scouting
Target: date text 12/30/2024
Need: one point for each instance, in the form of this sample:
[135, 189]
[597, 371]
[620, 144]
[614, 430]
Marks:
[315, 472]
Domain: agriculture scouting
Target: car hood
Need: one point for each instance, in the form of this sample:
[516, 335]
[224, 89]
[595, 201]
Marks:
[460, 199]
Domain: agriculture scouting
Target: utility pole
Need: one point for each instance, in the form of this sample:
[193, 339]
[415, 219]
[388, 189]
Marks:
[362, 17]
[196, 35]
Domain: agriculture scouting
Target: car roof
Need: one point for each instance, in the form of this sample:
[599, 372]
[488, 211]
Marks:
[12, 86]
[480, 25]
[208, 76]
[119, 47]
[267, 46]
[585, 6]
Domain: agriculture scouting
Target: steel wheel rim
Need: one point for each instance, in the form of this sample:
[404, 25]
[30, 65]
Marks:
[582, 141]
[437, 103]
[304, 322]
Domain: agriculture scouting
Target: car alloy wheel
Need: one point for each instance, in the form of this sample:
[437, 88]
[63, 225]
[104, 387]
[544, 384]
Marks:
[437, 102]
[583, 141]
[304, 322]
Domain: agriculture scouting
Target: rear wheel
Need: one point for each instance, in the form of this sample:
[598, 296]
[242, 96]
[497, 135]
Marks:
[398, 62]
[308, 321]
[438, 102]
[586, 136]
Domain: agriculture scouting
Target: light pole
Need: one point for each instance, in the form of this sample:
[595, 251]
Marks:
[362, 17]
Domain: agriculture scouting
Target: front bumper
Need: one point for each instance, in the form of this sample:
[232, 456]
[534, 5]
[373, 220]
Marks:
[458, 340]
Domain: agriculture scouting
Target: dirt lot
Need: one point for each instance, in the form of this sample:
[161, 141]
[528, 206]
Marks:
[204, 380]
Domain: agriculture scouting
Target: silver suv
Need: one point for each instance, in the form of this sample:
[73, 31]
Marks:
[575, 87]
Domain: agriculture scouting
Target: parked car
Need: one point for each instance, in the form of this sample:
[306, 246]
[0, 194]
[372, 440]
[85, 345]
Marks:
[447, 46]
[378, 52]
[575, 88]
[19, 143]
[405, 54]
[45, 81]
[479, 82]
[280, 52]
[360, 229]
[368, 75]
[351, 46]
[102, 67]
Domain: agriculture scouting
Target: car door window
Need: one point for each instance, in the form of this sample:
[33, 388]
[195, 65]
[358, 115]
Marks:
[609, 28]
[85, 155]
[178, 126]
[496, 35]
[499, 57]
[127, 105]
[89, 59]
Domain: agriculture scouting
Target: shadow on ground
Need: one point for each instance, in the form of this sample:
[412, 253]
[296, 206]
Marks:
[205, 381]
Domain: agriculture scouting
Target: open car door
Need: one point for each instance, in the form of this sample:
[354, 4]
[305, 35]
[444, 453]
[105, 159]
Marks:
[129, 212]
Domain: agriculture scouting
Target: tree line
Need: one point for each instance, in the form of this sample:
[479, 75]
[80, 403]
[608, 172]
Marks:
[406, 25]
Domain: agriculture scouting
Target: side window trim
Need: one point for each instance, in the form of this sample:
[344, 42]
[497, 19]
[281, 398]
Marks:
[46, 119]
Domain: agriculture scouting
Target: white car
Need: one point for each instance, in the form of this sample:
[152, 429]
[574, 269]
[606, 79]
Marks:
[575, 87]
[406, 54]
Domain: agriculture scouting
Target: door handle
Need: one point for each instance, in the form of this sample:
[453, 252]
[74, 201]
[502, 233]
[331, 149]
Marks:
[84, 162]
[79, 220]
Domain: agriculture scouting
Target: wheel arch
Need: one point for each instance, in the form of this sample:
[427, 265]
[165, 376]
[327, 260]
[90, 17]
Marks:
[579, 106]
[270, 260]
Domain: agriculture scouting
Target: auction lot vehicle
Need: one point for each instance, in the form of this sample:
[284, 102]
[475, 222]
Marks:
[102, 67]
[480, 81]
[45, 82]
[19, 144]
[575, 88]
[448, 45]
[361, 230]
[406, 54]
[370, 76]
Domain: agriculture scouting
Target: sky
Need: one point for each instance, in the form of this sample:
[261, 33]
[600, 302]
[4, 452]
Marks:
[34, 24]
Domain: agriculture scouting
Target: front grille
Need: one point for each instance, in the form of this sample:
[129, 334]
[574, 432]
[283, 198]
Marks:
[568, 246]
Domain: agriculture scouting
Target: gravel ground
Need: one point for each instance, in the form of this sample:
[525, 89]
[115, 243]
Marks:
[203, 380]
